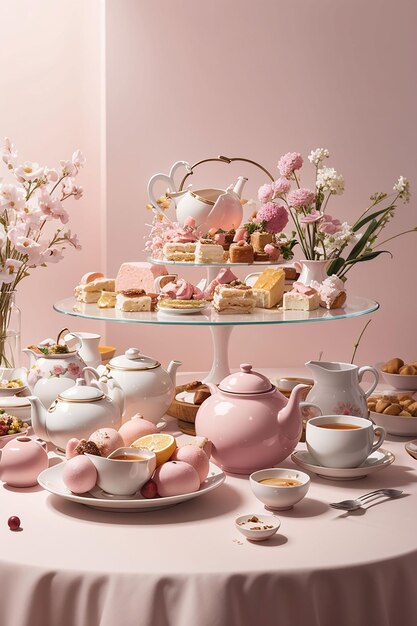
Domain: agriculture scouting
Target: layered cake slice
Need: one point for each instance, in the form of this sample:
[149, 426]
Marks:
[233, 298]
[301, 298]
[269, 288]
[179, 251]
[207, 251]
[91, 291]
[224, 277]
[133, 300]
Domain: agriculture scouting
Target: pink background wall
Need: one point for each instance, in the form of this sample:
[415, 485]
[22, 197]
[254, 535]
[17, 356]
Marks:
[188, 80]
[50, 105]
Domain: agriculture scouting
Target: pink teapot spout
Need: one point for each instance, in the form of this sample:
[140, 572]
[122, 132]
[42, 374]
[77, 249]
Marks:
[290, 417]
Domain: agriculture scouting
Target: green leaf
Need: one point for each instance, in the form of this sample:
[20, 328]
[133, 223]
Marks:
[367, 219]
[368, 256]
[335, 266]
[359, 246]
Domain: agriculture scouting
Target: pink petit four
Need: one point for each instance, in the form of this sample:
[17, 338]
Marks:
[181, 290]
[175, 478]
[139, 275]
[79, 474]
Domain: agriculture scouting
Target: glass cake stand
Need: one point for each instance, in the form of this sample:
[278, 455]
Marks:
[221, 325]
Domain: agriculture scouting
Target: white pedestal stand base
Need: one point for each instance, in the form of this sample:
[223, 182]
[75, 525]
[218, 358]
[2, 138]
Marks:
[220, 367]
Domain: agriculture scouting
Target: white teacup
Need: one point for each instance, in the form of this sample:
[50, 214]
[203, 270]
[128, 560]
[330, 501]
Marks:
[342, 441]
[122, 475]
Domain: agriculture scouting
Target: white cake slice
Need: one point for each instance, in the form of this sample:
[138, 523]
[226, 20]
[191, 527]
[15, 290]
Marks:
[233, 299]
[207, 251]
[301, 298]
[133, 302]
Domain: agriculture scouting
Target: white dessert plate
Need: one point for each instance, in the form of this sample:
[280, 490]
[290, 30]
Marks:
[399, 425]
[51, 480]
[188, 311]
[261, 531]
[376, 461]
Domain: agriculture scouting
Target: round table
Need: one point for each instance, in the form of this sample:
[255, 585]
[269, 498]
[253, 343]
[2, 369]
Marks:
[188, 565]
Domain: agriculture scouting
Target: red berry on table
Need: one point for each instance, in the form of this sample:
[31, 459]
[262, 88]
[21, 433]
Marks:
[13, 522]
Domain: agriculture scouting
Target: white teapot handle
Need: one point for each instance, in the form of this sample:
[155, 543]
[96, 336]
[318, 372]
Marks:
[361, 372]
[169, 178]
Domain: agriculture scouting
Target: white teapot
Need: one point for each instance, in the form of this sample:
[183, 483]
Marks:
[76, 412]
[148, 389]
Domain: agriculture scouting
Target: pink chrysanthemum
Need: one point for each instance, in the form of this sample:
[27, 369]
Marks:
[329, 225]
[290, 162]
[275, 216]
[300, 198]
[282, 185]
[265, 193]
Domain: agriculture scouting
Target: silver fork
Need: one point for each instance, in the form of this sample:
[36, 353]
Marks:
[352, 505]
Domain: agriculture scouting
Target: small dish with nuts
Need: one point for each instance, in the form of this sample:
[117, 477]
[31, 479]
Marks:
[400, 375]
[396, 413]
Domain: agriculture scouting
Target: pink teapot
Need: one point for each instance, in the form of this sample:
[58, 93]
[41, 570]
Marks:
[250, 423]
[22, 460]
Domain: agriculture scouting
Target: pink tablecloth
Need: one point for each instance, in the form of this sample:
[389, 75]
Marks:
[188, 566]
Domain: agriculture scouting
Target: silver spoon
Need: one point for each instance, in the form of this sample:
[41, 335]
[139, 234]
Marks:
[353, 505]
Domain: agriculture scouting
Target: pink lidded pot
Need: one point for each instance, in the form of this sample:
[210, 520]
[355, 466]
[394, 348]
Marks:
[22, 460]
[250, 423]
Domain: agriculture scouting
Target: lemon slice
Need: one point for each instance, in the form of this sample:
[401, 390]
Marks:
[162, 444]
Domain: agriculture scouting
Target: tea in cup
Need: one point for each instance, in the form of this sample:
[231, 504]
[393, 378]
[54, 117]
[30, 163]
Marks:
[125, 471]
[342, 441]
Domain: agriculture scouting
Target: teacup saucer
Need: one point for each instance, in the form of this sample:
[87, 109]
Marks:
[376, 461]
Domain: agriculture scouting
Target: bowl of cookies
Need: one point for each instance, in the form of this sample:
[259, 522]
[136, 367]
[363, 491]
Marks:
[396, 413]
[400, 375]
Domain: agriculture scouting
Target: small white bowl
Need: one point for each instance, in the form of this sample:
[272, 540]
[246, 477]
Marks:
[277, 498]
[124, 477]
[408, 382]
[244, 526]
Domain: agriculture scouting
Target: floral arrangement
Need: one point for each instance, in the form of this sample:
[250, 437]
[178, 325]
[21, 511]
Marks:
[27, 205]
[320, 235]
[163, 230]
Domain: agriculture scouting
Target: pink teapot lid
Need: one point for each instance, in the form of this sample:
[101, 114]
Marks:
[246, 381]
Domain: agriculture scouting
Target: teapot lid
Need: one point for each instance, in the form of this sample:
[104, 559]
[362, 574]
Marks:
[133, 360]
[81, 392]
[246, 382]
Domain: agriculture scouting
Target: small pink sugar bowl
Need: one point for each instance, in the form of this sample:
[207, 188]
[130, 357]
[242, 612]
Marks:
[22, 460]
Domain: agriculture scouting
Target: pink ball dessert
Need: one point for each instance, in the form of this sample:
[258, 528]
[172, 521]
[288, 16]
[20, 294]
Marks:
[107, 440]
[135, 428]
[196, 457]
[71, 448]
[175, 478]
[79, 474]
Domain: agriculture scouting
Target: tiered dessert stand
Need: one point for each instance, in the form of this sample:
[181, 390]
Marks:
[221, 325]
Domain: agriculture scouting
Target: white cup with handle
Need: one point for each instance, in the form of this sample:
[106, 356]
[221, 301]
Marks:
[342, 441]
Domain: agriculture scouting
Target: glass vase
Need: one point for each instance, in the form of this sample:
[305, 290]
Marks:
[10, 324]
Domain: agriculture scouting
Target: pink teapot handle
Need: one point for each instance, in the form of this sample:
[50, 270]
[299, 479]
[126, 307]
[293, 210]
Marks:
[361, 372]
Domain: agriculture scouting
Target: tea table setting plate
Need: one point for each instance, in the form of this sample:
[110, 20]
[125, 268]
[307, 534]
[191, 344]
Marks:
[51, 480]
[187, 311]
[376, 461]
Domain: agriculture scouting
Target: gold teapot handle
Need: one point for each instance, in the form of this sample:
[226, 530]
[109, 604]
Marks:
[223, 159]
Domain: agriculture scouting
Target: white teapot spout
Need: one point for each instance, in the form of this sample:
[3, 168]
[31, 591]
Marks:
[238, 188]
[172, 370]
[38, 416]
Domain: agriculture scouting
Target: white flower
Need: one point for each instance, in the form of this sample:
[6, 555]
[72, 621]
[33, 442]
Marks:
[318, 155]
[17, 230]
[70, 187]
[402, 187]
[28, 172]
[11, 267]
[52, 207]
[28, 246]
[78, 159]
[334, 243]
[329, 180]
[9, 153]
[68, 168]
[73, 240]
[52, 255]
[12, 197]
[32, 216]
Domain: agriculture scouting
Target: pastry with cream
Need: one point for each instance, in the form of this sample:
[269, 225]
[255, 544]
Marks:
[269, 288]
[301, 298]
[331, 291]
[180, 252]
[207, 251]
[180, 295]
[224, 277]
[233, 298]
[133, 301]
